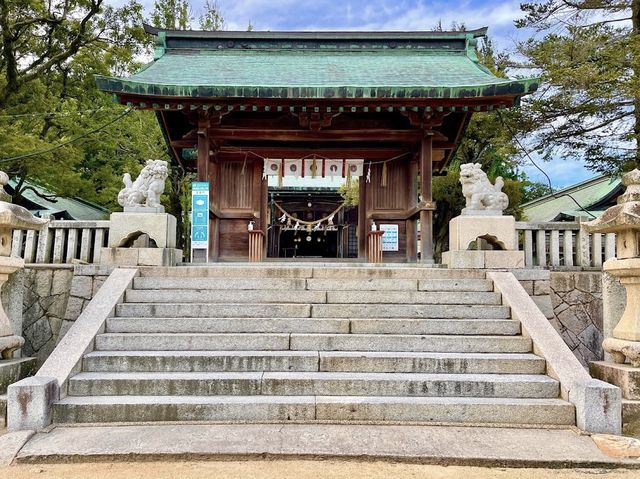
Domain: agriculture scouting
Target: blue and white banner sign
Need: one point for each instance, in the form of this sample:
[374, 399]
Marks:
[200, 215]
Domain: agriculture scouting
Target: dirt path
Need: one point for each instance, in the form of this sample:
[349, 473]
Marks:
[292, 469]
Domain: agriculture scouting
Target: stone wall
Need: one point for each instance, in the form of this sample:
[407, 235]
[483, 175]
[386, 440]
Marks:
[86, 281]
[44, 302]
[577, 309]
[52, 298]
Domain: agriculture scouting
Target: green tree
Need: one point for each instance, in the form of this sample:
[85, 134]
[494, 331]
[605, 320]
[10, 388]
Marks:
[50, 53]
[172, 14]
[588, 54]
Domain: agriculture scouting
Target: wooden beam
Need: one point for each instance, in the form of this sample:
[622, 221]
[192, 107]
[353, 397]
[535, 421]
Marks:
[426, 216]
[203, 147]
[258, 134]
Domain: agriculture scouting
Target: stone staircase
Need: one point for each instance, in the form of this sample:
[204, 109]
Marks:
[297, 343]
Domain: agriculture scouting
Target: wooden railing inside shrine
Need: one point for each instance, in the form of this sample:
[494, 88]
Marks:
[62, 242]
[563, 245]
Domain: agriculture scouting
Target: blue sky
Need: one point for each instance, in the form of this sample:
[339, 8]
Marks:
[498, 15]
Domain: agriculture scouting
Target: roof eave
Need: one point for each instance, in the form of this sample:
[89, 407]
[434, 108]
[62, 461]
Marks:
[315, 35]
[515, 88]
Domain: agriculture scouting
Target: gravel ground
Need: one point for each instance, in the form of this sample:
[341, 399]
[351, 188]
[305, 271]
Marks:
[294, 469]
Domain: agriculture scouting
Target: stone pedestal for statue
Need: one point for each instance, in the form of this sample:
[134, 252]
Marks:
[142, 221]
[481, 237]
[624, 345]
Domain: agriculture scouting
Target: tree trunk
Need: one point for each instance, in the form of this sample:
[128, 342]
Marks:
[635, 49]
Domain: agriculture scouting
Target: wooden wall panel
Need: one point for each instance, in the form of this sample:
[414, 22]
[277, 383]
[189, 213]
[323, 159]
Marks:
[393, 196]
[234, 239]
[236, 185]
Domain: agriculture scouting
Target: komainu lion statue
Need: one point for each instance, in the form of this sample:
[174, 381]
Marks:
[480, 194]
[147, 188]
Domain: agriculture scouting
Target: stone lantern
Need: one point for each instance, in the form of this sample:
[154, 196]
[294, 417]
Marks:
[624, 220]
[624, 347]
[11, 217]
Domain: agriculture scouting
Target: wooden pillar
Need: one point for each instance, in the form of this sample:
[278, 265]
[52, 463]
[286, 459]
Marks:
[410, 224]
[203, 147]
[363, 224]
[264, 204]
[426, 217]
[214, 201]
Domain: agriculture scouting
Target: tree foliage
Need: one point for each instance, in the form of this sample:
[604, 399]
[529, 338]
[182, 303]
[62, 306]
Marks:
[588, 55]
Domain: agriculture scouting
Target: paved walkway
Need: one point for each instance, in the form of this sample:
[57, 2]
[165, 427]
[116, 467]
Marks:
[445, 445]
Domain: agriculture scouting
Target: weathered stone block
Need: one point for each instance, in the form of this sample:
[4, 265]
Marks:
[625, 376]
[82, 286]
[61, 283]
[503, 259]
[38, 333]
[562, 282]
[29, 403]
[598, 406]
[74, 308]
[541, 288]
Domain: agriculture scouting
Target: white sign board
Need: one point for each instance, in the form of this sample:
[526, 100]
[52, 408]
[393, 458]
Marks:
[390, 237]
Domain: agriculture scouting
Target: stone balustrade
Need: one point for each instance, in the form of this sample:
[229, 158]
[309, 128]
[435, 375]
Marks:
[63, 242]
[563, 245]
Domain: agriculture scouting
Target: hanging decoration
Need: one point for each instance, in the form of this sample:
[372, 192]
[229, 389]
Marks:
[369, 173]
[385, 174]
[325, 223]
[312, 167]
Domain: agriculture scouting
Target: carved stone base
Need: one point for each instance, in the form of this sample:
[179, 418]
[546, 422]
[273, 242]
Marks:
[621, 350]
[140, 256]
[498, 230]
[125, 228]
[483, 259]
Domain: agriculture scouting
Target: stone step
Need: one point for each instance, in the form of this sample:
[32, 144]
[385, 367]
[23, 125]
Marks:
[310, 342]
[227, 325]
[410, 311]
[150, 282]
[312, 383]
[415, 343]
[400, 284]
[312, 270]
[326, 361]
[191, 342]
[413, 297]
[105, 409]
[288, 310]
[213, 310]
[425, 362]
[285, 296]
[223, 296]
[313, 325]
[200, 361]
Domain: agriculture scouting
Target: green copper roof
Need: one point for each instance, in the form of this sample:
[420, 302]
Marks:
[316, 65]
[590, 194]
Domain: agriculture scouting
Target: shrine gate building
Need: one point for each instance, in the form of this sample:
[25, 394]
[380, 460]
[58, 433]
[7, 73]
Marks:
[387, 107]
